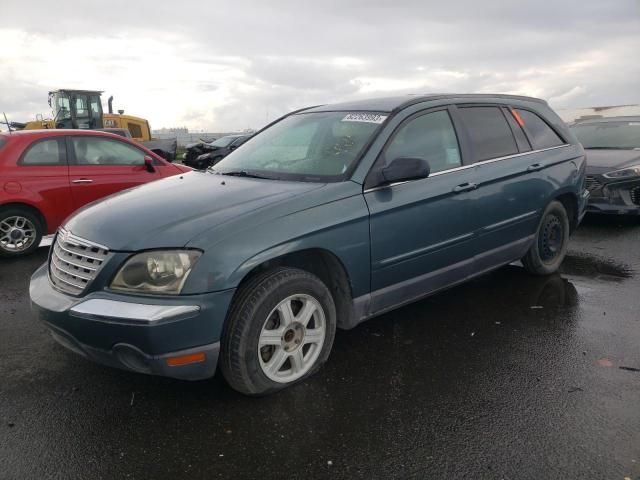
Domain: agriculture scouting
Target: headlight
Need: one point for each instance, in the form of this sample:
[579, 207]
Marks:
[159, 271]
[633, 171]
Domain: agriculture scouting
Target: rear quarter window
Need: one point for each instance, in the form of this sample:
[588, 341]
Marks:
[540, 133]
[489, 132]
[44, 152]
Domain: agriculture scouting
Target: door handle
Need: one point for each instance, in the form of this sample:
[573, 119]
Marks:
[82, 180]
[535, 167]
[465, 187]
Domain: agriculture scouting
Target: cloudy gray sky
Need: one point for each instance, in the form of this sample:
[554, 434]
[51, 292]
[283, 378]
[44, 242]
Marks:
[213, 65]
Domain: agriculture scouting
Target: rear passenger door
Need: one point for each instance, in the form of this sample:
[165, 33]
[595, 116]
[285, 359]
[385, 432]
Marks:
[511, 189]
[101, 166]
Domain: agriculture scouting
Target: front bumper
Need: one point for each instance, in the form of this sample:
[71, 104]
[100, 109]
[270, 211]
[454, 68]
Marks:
[617, 198]
[144, 334]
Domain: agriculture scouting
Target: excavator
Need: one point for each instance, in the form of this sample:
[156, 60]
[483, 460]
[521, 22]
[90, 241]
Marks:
[83, 109]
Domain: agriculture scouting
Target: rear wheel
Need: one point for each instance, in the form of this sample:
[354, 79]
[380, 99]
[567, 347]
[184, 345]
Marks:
[280, 331]
[551, 242]
[20, 231]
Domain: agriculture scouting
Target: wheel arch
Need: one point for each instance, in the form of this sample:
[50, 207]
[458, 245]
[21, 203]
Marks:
[320, 262]
[570, 202]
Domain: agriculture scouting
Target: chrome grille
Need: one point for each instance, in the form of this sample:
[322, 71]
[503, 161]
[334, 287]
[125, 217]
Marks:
[635, 195]
[592, 183]
[75, 262]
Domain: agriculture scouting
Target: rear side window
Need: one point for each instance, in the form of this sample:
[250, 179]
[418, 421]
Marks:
[540, 134]
[489, 132]
[135, 130]
[44, 152]
[3, 142]
[518, 132]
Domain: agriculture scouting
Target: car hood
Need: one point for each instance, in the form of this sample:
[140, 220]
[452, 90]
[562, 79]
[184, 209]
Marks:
[602, 161]
[170, 212]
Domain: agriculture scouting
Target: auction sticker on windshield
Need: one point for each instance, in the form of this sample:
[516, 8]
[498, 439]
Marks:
[364, 117]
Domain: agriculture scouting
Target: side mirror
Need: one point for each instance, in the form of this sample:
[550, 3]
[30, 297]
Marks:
[232, 147]
[148, 163]
[405, 168]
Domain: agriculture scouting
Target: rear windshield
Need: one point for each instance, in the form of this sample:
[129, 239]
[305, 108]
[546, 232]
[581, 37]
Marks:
[621, 135]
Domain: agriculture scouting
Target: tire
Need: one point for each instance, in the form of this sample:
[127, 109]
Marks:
[289, 352]
[551, 241]
[21, 231]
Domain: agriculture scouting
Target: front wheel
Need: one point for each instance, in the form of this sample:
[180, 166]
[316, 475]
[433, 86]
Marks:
[20, 231]
[551, 241]
[279, 331]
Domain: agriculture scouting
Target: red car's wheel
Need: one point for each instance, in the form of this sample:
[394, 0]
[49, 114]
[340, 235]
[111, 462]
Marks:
[20, 231]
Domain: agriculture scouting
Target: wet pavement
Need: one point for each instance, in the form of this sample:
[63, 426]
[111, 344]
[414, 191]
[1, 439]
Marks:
[509, 376]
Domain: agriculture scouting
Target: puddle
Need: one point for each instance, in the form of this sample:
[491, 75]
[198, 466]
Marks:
[591, 266]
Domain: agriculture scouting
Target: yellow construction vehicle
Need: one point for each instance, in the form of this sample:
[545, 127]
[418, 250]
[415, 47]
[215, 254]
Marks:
[83, 109]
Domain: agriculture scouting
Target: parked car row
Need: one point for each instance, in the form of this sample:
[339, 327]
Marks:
[45, 175]
[328, 217]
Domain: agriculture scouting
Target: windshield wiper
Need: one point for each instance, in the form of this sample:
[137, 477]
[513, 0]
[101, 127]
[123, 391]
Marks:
[243, 173]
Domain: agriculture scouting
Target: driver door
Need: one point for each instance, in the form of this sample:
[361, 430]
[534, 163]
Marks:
[100, 166]
[421, 230]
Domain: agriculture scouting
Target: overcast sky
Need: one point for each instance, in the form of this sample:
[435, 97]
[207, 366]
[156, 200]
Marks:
[220, 66]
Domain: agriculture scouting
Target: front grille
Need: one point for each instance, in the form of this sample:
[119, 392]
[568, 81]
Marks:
[592, 183]
[635, 195]
[75, 262]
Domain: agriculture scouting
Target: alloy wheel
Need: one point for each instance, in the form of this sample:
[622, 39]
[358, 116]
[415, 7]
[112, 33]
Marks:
[17, 234]
[291, 338]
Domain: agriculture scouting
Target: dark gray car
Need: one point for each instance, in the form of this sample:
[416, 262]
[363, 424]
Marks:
[613, 163]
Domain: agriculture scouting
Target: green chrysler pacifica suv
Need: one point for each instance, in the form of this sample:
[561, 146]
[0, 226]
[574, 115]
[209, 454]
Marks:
[326, 217]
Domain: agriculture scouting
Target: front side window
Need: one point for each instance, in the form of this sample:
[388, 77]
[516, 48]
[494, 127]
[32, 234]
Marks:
[430, 137]
[489, 132]
[620, 135]
[43, 152]
[541, 134]
[319, 146]
[101, 151]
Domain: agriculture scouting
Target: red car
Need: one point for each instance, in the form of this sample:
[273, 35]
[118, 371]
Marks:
[45, 175]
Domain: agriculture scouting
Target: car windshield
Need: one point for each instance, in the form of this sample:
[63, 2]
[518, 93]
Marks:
[622, 135]
[223, 142]
[318, 146]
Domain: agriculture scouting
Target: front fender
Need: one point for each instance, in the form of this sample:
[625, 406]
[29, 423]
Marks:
[340, 227]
